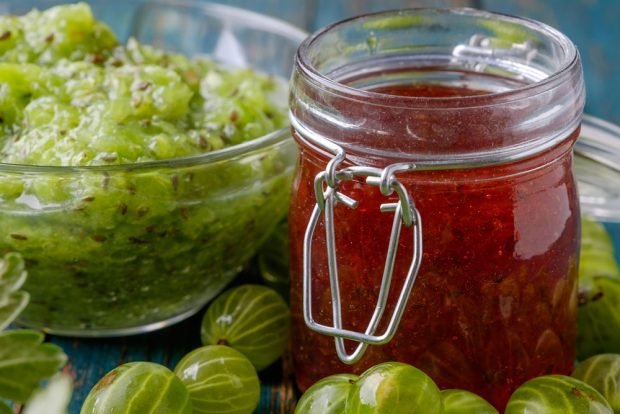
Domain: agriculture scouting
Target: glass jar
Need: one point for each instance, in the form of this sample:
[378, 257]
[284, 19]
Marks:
[434, 213]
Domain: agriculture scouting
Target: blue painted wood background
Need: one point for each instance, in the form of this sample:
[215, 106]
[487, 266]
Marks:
[594, 25]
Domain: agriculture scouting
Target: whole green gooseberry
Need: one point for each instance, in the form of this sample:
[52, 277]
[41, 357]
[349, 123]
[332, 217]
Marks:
[465, 402]
[602, 372]
[327, 396]
[219, 380]
[557, 394]
[138, 388]
[394, 387]
[596, 256]
[598, 322]
[598, 319]
[253, 319]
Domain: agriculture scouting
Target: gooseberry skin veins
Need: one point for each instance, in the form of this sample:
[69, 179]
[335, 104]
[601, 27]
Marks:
[393, 387]
[327, 396]
[252, 319]
[220, 380]
[602, 372]
[464, 402]
[557, 394]
[138, 388]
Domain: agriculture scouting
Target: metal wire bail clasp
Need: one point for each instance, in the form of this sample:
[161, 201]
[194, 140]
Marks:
[327, 196]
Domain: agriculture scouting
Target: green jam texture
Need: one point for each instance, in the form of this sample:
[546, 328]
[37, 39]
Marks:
[127, 234]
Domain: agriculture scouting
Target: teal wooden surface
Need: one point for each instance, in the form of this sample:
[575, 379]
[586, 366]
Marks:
[329, 11]
[90, 359]
[592, 24]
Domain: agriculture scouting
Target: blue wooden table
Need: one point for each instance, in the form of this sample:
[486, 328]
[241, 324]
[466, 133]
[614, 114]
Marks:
[593, 25]
[91, 359]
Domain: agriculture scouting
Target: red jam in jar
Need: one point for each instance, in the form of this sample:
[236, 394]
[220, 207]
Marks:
[488, 119]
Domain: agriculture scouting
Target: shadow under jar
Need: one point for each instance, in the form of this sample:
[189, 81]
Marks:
[457, 127]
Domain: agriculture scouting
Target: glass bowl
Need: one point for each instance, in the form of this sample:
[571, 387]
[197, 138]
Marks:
[597, 167]
[115, 250]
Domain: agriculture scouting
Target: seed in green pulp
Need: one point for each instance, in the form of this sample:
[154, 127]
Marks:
[220, 380]
[394, 387]
[602, 372]
[327, 396]
[138, 388]
[557, 394]
[252, 319]
[465, 402]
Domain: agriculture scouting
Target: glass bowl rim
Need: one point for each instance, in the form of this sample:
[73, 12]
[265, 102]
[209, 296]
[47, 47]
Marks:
[272, 139]
[249, 18]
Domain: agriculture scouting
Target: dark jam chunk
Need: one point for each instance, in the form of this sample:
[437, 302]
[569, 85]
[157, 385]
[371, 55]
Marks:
[429, 91]
[495, 300]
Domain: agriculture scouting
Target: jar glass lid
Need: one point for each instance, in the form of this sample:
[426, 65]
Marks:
[597, 166]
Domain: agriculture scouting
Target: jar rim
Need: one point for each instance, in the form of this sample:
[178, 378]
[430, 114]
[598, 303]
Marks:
[570, 60]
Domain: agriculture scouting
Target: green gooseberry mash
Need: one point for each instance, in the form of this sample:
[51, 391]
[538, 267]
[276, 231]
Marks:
[127, 237]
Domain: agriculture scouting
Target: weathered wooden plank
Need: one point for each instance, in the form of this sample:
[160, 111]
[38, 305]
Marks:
[330, 11]
[90, 359]
[594, 27]
[299, 12]
[591, 24]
